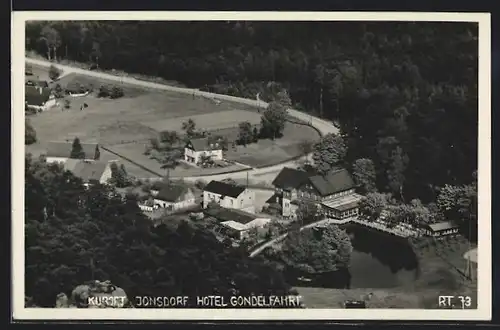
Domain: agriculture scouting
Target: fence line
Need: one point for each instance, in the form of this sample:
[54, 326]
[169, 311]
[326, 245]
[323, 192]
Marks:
[133, 162]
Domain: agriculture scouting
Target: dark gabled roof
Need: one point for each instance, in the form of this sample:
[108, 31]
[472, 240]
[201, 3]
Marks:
[224, 189]
[201, 144]
[272, 199]
[334, 182]
[87, 171]
[36, 95]
[63, 149]
[290, 178]
[172, 193]
[222, 214]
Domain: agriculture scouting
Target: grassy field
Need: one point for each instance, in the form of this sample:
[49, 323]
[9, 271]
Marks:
[125, 125]
[268, 152]
[39, 73]
[440, 268]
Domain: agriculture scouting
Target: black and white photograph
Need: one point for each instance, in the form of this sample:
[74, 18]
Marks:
[256, 166]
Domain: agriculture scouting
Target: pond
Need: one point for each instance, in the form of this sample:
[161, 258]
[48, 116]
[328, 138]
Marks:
[379, 260]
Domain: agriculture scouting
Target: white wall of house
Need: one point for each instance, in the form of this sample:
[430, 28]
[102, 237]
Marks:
[106, 175]
[194, 157]
[243, 201]
[288, 209]
[50, 103]
[188, 200]
[57, 159]
[258, 223]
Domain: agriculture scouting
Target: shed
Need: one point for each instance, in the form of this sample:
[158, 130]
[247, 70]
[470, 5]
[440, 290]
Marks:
[442, 228]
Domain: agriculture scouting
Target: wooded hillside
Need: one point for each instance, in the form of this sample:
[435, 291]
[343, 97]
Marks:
[405, 93]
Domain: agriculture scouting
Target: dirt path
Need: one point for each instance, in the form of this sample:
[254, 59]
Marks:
[323, 126]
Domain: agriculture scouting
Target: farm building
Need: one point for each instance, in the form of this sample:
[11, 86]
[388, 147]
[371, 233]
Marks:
[196, 149]
[440, 229]
[174, 197]
[236, 223]
[229, 196]
[334, 192]
[38, 98]
[61, 151]
[89, 172]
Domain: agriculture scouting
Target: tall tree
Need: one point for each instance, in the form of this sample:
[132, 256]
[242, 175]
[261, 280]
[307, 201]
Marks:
[273, 121]
[396, 172]
[329, 152]
[317, 250]
[189, 127]
[52, 40]
[170, 161]
[245, 135]
[308, 212]
[169, 137]
[364, 174]
[77, 151]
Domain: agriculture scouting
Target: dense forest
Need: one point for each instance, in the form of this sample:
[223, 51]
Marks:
[74, 235]
[404, 93]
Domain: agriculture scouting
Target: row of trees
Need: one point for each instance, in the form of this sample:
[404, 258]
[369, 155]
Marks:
[75, 234]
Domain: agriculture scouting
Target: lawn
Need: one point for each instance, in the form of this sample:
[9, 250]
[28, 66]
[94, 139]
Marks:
[268, 152]
[125, 125]
[39, 73]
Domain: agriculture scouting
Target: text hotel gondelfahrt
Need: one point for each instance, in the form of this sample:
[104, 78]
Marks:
[218, 301]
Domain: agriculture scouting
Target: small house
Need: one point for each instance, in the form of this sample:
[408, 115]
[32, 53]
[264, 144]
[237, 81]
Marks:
[237, 223]
[441, 229]
[39, 98]
[61, 151]
[175, 197]
[196, 149]
[91, 172]
[228, 195]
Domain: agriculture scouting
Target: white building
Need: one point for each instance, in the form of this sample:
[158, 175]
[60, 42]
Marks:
[229, 196]
[61, 151]
[174, 197]
[195, 149]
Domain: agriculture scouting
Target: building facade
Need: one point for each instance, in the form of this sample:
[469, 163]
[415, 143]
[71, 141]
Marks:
[229, 196]
[196, 149]
[334, 193]
[174, 197]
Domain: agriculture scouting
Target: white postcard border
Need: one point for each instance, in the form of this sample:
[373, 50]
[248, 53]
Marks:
[483, 312]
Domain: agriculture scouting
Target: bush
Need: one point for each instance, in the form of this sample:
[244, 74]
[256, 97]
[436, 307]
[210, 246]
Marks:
[103, 91]
[29, 133]
[200, 184]
[116, 92]
[54, 72]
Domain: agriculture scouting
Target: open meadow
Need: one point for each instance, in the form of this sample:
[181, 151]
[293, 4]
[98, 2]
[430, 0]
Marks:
[126, 124]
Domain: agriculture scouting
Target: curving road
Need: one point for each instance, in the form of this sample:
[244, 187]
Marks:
[261, 174]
